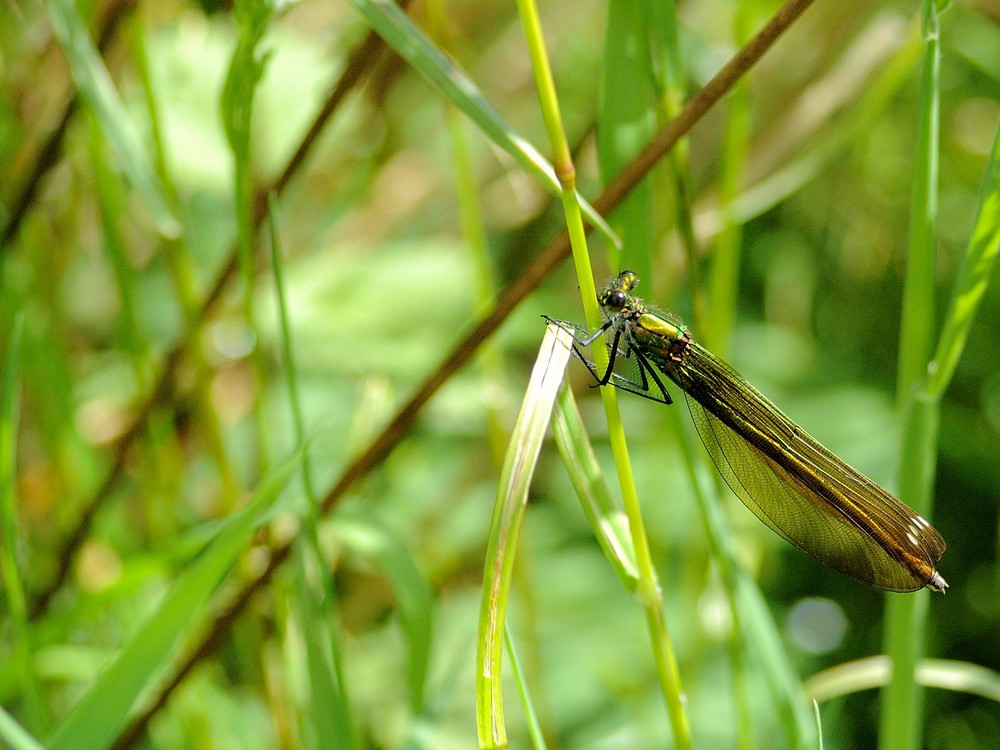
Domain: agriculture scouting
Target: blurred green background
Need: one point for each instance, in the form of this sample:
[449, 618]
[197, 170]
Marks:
[381, 283]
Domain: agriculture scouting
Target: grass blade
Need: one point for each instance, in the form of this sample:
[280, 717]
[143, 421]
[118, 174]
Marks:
[104, 709]
[608, 521]
[973, 279]
[22, 648]
[512, 494]
[14, 736]
[328, 711]
[534, 724]
[410, 588]
[410, 43]
[326, 715]
[873, 672]
[905, 619]
[97, 89]
[626, 122]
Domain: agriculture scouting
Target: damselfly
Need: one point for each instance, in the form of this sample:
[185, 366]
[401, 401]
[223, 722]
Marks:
[791, 482]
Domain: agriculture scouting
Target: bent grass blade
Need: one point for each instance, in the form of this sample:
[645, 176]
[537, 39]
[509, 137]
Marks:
[609, 522]
[508, 511]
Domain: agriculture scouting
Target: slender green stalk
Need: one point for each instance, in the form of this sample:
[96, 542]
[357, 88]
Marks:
[330, 713]
[906, 616]
[245, 70]
[609, 524]
[182, 277]
[490, 359]
[22, 643]
[548, 100]
[96, 87]
[973, 280]
[723, 280]
[534, 726]
[901, 729]
[649, 591]
[722, 291]
[818, 725]
[625, 123]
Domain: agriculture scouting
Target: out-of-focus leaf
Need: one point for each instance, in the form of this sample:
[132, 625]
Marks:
[97, 89]
[104, 709]
[410, 43]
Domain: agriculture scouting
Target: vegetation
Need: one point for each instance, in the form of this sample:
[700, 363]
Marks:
[271, 279]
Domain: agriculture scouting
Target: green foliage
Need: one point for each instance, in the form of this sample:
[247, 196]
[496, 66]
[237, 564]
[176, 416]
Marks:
[102, 712]
[246, 470]
[97, 89]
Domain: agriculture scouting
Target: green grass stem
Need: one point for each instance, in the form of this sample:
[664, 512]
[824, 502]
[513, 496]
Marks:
[905, 616]
[901, 719]
[245, 71]
[400, 33]
[96, 87]
[609, 523]
[972, 282]
[649, 593]
[328, 712]
[531, 717]
[22, 646]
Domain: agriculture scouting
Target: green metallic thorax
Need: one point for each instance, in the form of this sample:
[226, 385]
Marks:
[662, 339]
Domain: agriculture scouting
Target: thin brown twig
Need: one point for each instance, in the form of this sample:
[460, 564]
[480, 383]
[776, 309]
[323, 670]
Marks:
[530, 279]
[705, 99]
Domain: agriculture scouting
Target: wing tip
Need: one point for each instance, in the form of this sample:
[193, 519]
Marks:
[937, 583]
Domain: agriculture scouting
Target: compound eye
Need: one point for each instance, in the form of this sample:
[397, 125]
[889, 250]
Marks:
[615, 299]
